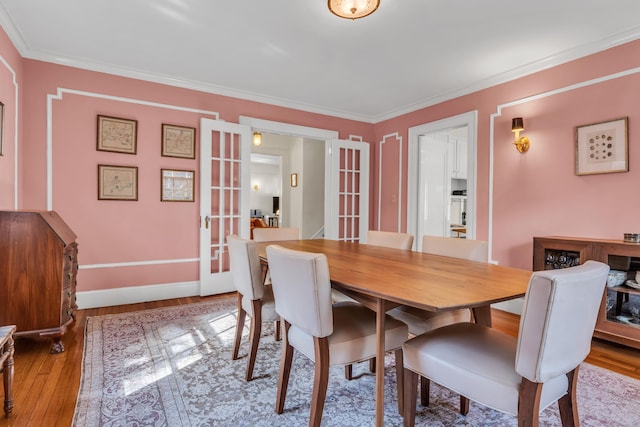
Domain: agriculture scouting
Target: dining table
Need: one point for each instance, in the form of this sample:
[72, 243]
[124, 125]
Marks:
[383, 278]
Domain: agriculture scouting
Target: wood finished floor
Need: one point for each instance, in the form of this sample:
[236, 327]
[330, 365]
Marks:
[46, 386]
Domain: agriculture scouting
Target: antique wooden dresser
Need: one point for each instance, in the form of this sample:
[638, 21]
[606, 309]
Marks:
[38, 267]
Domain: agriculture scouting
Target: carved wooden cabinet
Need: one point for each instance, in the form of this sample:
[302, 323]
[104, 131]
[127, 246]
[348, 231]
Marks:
[38, 268]
[618, 319]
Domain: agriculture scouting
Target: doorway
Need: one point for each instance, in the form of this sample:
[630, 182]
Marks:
[442, 178]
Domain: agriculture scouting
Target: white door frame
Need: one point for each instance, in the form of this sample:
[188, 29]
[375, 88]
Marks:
[470, 119]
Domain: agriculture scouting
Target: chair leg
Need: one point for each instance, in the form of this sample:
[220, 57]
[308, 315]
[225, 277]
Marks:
[568, 404]
[424, 390]
[348, 372]
[276, 334]
[400, 379]
[239, 328]
[285, 369]
[320, 380]
[255, 330]
[464, 405]
[529, 403]
[372, 365]
[410, 396]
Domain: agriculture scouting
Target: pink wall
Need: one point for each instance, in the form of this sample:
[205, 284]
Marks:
[126, 231]
[10, 81]
[538, 193]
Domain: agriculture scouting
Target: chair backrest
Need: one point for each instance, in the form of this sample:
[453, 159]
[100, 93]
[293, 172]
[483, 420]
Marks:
[390, 239]
[558, 319]
[473, 250]
[246, 270]
[274, 234]
[301, 289]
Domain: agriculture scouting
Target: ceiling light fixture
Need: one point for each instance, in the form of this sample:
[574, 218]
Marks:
[353, 9]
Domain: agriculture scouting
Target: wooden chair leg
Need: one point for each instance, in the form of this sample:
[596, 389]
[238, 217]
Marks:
[254, 331]
[464, 405]
[348, 372]
[400, 379]
[285, 369]
[276, 334]
[568, 404]
[320, 380]
[372, 365]
[410, 396]
[529, 403]
[7, 374]
[239, 328]
[424, 391]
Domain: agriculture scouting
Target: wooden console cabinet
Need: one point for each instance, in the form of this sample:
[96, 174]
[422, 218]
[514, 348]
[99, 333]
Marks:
[615, 321]
[38, 268]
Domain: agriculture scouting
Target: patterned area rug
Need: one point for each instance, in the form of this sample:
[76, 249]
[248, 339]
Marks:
[172, 367]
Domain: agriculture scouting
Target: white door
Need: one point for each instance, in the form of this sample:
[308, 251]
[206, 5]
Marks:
[347, 190]
[225, 161]
[435, 185]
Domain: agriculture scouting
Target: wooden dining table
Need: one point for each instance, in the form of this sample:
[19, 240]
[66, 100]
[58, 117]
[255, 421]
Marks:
[383, 278]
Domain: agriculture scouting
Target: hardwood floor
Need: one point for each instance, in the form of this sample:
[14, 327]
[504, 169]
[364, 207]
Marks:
[46, 385]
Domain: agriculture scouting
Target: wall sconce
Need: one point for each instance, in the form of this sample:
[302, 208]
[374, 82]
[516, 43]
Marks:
[256, 187]
[257, 139]
[521, 143]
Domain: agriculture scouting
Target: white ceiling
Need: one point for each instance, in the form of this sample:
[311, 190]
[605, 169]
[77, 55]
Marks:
[407, 55]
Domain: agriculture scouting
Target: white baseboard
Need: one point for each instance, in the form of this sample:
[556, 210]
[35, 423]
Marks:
[512, 306]
[136, 294]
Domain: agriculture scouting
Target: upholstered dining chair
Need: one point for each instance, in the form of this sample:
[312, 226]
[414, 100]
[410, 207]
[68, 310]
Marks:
[254, 299]
[421, 321]
[387, 239]
[517, 375]
[274, 234]
[326, 333]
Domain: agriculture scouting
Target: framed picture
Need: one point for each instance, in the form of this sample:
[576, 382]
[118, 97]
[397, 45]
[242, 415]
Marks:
[117, 135]
[294, 179]
[1, 128]
[602, 147]
[117, 182]
[178, 141]
[176, 185]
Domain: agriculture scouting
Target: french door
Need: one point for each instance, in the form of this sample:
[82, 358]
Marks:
[225, 156]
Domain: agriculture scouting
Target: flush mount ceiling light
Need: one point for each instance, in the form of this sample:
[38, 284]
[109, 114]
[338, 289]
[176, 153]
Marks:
[353, 9]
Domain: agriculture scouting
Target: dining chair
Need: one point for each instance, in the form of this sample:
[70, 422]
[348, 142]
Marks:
[387, 239]
[326, 333]
[274, 234]
[421, 321]
[254, 298]
[519, 375]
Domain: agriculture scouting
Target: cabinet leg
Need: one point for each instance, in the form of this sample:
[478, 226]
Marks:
[57, 346]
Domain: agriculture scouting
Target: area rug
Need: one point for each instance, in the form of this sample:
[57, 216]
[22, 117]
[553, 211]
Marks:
[172, 367]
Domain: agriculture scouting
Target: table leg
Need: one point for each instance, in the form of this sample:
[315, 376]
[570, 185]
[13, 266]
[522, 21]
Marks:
[482, 315]
[380, 333]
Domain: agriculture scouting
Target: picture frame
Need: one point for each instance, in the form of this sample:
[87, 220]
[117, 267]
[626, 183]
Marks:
[177, 185]
[602, 147]
[178, 141]
[293, 179]
[117, 182]
[117, 135]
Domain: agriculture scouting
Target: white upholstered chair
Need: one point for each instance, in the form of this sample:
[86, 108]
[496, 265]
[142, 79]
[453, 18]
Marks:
[254, 299]
[274, 234]
[326, 333]
[390, 239]
[421, 321]
[520, 376]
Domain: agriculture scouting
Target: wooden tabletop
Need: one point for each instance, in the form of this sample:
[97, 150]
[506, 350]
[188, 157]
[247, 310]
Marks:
[426, 281]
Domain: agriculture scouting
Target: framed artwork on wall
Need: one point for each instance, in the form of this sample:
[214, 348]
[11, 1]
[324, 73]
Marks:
[117, 182]
[602, 147]
[117, 135]
[176, 185]
[178, 141]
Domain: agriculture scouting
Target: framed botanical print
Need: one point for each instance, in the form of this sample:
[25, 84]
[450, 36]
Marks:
[178, 141]
[117, 135]
[117, 182]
